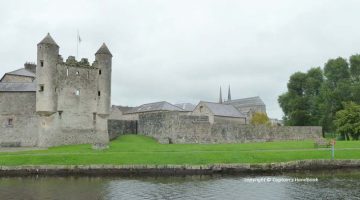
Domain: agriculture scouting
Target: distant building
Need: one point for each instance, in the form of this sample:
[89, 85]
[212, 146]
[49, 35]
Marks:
[119, 113]
[161, 106]
[186, 106]
[248, 106]
[219, 112]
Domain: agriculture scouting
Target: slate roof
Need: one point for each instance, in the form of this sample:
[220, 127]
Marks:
[17, 87]
[223, 110]
[157, 106]
[103, 50]
[186, 106]
[124, 109]
[48, 40]
[246, 101]
[22, 72]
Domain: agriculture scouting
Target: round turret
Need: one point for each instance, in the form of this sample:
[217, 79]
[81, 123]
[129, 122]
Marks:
[47, 58]
[103, 60]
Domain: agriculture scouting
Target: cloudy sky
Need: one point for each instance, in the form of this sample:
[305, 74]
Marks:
[184, 50]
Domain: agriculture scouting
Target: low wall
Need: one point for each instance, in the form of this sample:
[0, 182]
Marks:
[179, 169]
[120, 127]
[172, 127]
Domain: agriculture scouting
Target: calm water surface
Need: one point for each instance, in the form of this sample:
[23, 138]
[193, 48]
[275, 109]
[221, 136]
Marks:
[330, 185]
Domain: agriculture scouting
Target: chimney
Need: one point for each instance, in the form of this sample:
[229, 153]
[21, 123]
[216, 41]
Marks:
[30, 66]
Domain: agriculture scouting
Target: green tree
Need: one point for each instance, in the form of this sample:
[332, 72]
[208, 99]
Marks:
[348, 121]
[314, 97]
[300, 102]
[355, 77]
[335, 90]
[355, 66]
[260, 118]
[336, 70]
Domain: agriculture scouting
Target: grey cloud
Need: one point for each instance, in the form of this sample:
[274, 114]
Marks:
[182, 51]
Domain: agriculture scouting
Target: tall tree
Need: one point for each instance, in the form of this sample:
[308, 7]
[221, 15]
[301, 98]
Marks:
[355, 77]
[355, 66]
[300, 102]
[334, 91]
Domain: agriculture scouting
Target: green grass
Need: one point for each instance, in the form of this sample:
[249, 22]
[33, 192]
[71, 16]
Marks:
[133, 149]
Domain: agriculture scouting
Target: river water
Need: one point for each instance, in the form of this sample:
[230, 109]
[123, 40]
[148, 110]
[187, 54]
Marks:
[344, 184]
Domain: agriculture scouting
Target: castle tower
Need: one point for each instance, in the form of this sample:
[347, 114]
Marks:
[103, 58]
[47, 57]
[220, 96]
[229, 94]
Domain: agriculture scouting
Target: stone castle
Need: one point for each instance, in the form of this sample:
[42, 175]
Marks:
[55, 102]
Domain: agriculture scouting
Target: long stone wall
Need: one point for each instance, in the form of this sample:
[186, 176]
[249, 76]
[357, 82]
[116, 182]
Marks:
[121, 127]
[172, 127]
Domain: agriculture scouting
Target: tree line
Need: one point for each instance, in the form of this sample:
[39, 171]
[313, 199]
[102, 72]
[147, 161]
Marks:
[313, 98]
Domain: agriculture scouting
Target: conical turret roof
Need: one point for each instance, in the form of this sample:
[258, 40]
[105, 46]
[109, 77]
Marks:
[48, 40]
[103, 50]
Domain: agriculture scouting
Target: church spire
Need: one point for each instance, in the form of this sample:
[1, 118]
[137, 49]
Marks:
[220, 97]
[229, 94]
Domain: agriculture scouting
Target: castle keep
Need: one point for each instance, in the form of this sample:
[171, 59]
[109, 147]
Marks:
[56, 102]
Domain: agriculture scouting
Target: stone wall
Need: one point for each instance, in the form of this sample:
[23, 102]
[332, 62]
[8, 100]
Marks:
[172, 127]
[121, 127]
[20, 108]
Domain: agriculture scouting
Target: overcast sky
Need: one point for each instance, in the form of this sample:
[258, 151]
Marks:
[184, 50]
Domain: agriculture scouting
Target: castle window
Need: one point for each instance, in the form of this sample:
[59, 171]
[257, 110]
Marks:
[99, 71]
[60, 114]
[67, 72]
[98, 93]
[94, 116]
[77, 92]
[201, 108]
[10, 122]
[41, 63]
[56, 89]
[41, 88]
[77, 73]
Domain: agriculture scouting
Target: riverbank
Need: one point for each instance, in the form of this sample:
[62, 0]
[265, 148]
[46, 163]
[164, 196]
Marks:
[135, 150]
[127, 170]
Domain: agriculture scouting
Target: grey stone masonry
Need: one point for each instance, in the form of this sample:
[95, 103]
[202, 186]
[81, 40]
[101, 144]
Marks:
[172, 127]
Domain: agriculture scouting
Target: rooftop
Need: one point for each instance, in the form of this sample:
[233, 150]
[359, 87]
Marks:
[22, 72]
[48, 40]
[246, 101]
[103, 50]
[223, 110]
[156, 106]
[186, 106]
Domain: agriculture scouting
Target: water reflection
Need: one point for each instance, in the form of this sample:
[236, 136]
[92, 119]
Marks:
[330, 185]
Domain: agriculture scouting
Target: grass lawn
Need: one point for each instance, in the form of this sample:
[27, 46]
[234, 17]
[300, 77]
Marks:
[134, 149]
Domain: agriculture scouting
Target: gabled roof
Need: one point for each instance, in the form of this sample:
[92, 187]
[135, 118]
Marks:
[17, 87]
[157, 106]
[123, 109]
[103, 50]
[48, 40]
[22, 72]
[246, 101]
[223, 110]
[186, 106]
